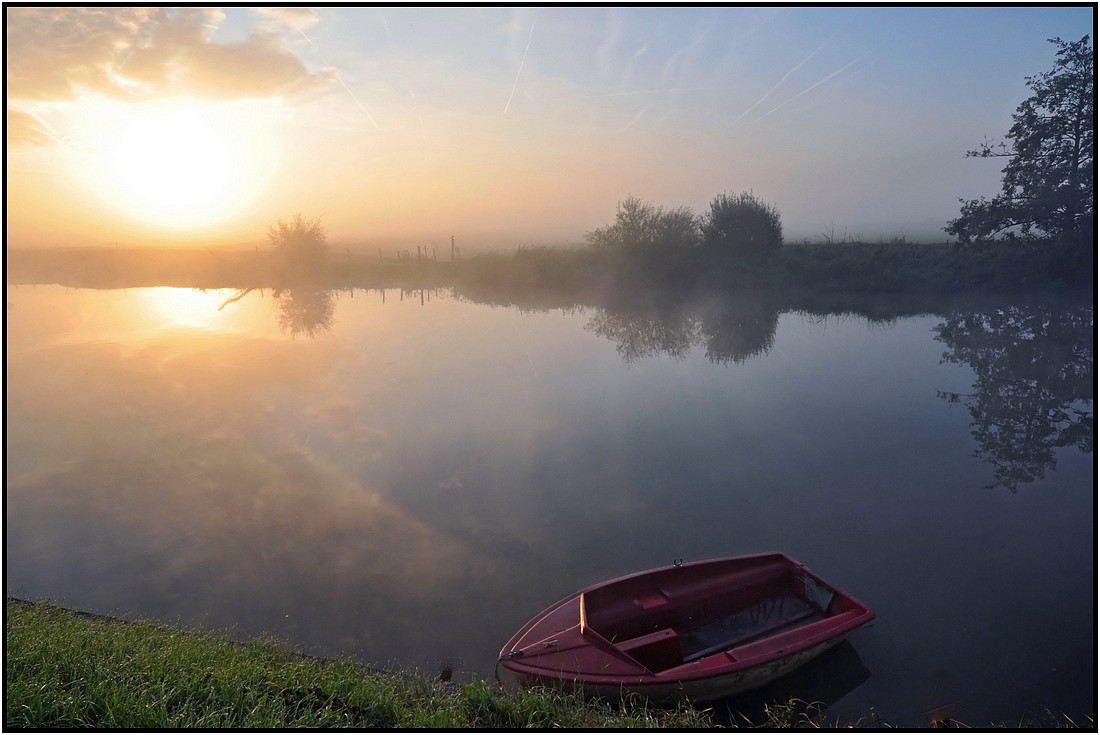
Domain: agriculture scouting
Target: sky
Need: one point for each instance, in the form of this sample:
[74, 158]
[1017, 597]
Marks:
[399, 127]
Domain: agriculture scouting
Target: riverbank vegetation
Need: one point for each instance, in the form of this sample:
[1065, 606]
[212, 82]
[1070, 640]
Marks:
[66, 669]
[854, 267]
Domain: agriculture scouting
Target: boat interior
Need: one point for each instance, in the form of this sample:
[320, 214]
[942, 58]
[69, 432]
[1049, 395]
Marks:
[676, 616]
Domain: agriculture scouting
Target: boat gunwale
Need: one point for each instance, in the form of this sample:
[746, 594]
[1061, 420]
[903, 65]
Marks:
[846, 623]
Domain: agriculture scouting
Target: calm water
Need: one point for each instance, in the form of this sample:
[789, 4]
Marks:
[410, 480]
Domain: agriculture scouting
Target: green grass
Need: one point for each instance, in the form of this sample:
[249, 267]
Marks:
[68, 670]
[65, 670]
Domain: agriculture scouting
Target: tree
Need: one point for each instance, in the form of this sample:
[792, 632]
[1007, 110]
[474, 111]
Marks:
[645, 228]
[300, 241]
[1047, 187]
[741, 226]
[648, 245]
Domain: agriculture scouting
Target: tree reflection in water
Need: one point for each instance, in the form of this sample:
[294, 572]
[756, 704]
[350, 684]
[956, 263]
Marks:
[304, 311]
[732, 328]
[646, 333]
[299, 310]
[1034, 389]
[738, 328]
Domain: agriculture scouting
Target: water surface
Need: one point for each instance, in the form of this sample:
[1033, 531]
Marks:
[409, 477]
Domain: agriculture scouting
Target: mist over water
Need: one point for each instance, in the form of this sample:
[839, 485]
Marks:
[407, 476]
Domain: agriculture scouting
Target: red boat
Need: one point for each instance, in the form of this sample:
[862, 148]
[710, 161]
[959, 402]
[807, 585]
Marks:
[701, 631]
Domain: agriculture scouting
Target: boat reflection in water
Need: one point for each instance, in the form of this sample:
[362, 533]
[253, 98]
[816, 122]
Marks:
[818, 685]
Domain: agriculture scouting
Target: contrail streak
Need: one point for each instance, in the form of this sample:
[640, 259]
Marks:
[636, 92]
[341, 80]
[813, 86]
[785, 78]
[520, 70]
[356, 100]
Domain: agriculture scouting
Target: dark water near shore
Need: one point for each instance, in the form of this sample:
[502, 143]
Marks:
[410, 480]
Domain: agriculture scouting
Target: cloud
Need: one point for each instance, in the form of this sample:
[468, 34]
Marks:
[295, 19]
[258, 67]
[53, 53]
[57, 54]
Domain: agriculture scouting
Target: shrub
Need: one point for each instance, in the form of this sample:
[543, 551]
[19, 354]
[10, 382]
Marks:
[741, 226]
[643, 228]
[300, 241]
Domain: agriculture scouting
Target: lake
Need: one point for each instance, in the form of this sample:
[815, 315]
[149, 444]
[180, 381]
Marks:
[407, 477]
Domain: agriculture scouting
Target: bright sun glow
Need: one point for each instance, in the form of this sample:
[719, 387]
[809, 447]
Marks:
[184, 307]
[173, 163]
[177, 165]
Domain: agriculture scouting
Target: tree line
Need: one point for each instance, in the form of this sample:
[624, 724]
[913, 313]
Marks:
[735, 226]
[1047, 196]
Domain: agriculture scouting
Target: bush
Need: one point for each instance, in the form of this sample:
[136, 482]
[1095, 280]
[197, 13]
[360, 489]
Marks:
[741, 226]
[644, 228]
[648, 245]
[300, 241]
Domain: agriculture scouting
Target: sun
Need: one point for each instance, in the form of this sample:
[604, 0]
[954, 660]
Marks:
[179, 165]
[174, 165]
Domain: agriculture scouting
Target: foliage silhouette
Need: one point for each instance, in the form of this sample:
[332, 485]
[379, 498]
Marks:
[646, 228]
[300, 242]
[648, 244]
[740, 227]
[1048, 185]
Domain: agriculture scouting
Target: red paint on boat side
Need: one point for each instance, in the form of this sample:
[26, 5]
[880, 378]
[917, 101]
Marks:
[702, 630]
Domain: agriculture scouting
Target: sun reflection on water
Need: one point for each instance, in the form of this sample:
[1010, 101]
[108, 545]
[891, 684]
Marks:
[184, 307]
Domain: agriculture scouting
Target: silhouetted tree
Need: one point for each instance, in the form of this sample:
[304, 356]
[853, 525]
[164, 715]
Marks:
[642, 228]
[648, 245]
[741, 226]
[300, 241]
[1047, 190]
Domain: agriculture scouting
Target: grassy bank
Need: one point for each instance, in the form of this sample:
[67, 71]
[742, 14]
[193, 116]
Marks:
[65, 669]
[584, 273]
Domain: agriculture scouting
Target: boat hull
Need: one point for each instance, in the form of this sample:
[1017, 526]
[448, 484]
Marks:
[700, 631]
[702, 690]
